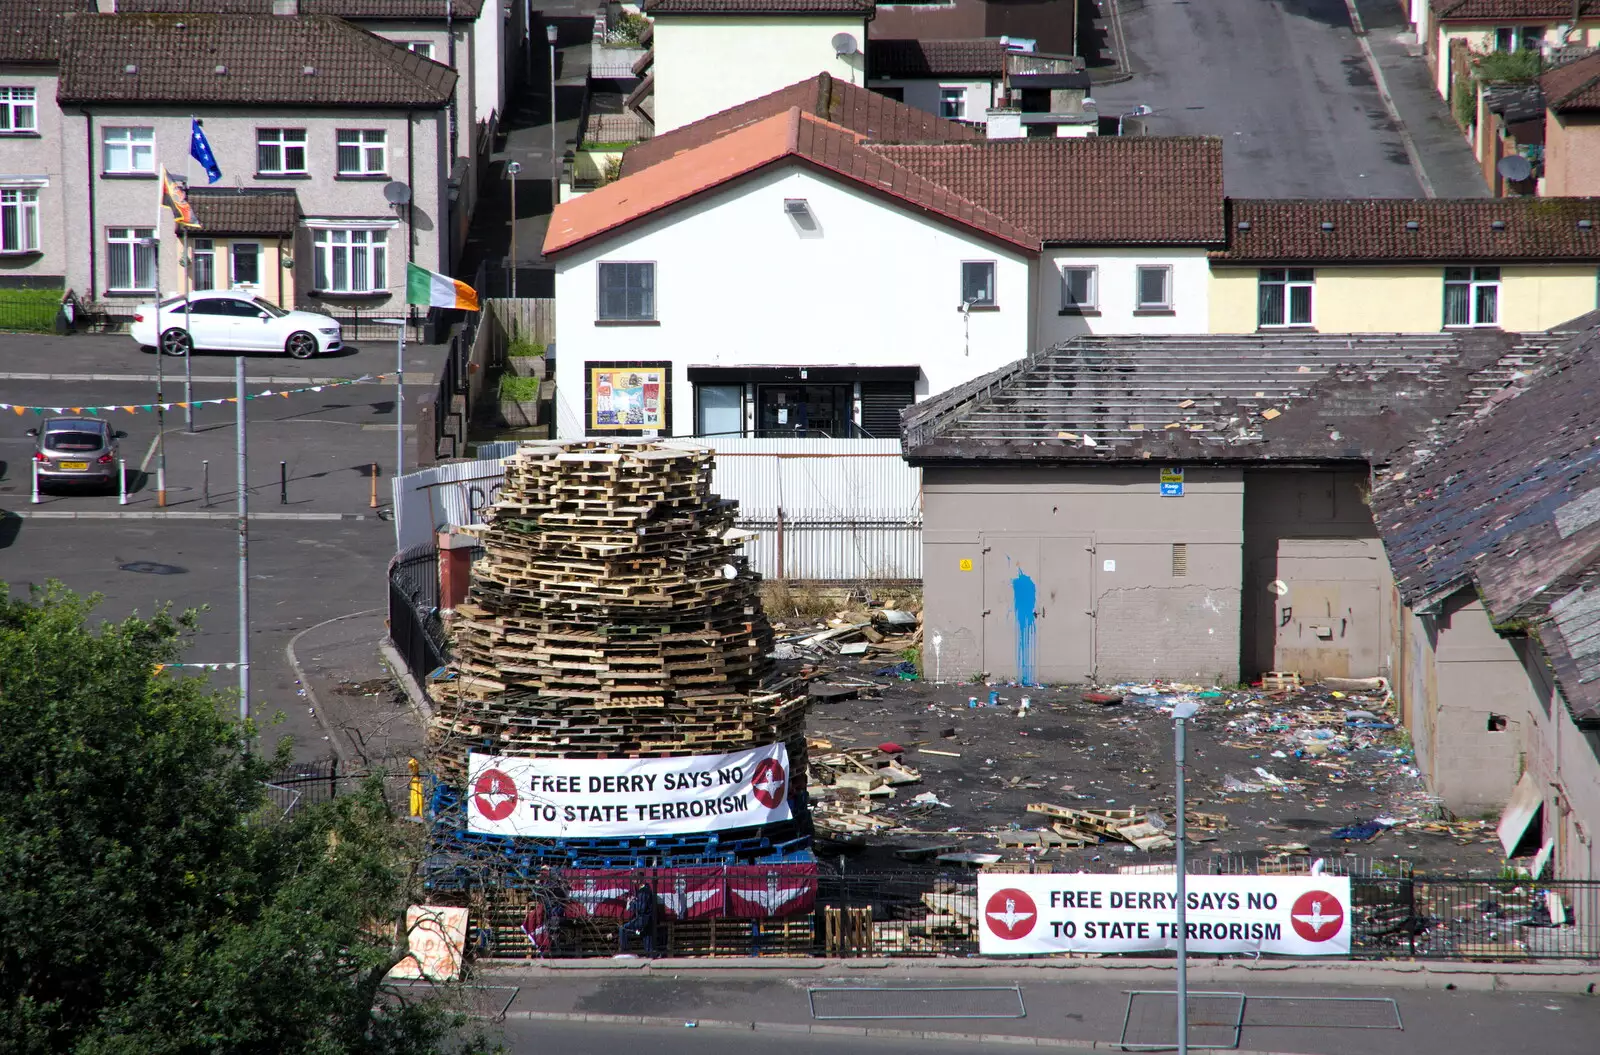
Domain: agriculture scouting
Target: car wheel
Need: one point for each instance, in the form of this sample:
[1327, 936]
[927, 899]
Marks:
[175, 342]
[301, 345]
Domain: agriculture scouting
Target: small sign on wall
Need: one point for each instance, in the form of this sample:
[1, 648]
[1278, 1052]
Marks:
[1172, 481]
[966, 564]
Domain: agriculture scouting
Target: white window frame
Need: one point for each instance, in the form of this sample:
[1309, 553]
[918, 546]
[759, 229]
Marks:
[338, 273]
[131, 141]
[1476, 281]
[1140, 304]
[994, 280]
[198, 248]
[1089, 304]
[14, 99]
[138, 246]
[276, 139]
[19, 213]
[600, 291]
[956, 112]
[1287, 279]
[367, 149]
[421, 47]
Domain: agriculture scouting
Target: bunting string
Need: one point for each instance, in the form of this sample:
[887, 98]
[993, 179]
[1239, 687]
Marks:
[146, 408]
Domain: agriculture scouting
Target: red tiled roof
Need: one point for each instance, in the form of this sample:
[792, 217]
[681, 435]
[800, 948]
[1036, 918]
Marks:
[410, 10]
[760, 7]
[793, 134]
[985, 57]
[1575, 86]
[1513, 10]
[1098, 190]
[875, 116]
[32, 33]
[1375, 231]
[264, 58]
[267, 211]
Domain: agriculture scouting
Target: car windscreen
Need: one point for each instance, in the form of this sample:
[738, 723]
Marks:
[73, 441]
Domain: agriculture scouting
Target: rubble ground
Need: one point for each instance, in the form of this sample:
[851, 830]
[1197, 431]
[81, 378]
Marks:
[1285, 770]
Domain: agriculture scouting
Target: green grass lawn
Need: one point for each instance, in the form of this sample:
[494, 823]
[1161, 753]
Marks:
[29, 310]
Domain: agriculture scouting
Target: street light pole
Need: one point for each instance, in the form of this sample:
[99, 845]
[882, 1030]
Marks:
[244, 540]
[550, 34]
[1181, 712]
[512, 168]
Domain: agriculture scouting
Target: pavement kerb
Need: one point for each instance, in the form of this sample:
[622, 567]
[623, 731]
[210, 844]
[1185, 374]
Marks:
[398, 670]
[823, 1030]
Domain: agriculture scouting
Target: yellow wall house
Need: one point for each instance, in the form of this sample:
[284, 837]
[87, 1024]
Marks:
[1482, 26]
[1406, 266]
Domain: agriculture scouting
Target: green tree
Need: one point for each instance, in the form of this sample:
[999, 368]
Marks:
[147, 903]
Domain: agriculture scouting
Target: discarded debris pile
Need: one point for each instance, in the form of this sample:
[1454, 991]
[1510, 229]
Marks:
[845, 785]
[611, 616]
[871, 637]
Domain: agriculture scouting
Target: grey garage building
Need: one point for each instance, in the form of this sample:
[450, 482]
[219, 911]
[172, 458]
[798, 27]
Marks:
[1190, 508]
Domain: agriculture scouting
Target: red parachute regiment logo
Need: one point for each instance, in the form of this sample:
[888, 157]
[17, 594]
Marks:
[1317, 916]
[494, 794]
[769, 783]
[1010, 914]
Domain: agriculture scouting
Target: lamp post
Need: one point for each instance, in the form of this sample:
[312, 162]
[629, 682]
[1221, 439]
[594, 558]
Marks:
[512, 168]
[399, 405]
[1182, 712]
[555, 162]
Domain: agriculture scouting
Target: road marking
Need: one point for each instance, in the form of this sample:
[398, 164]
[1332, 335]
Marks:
[150, 451]
[171, 514]
[1412, 154]
[411, 378]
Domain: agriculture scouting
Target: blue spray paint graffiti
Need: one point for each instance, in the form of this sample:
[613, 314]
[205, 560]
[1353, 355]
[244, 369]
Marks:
[1023, 598]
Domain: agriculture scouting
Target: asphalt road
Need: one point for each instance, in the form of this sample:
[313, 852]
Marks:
[320, 556]
[1283, 82]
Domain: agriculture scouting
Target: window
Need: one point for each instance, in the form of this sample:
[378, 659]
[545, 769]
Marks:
[1471, 296]
[351, 261]
[1155, 289]
[128, 150]
[1519, 38]
[977, 283]
[361, 153]
[17, 110]
[953, 103]
[1285, 295]
[246, 259]
[627, 292]
[719, 410]
[203, 263]
[131, 258]
[1080, 288]
[421, 47]
[280, 151]
[19, 220]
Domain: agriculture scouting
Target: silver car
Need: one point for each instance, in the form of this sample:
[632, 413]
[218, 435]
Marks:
[76, 450]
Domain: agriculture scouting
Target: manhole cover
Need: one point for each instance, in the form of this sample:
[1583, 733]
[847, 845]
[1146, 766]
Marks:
[150, 567]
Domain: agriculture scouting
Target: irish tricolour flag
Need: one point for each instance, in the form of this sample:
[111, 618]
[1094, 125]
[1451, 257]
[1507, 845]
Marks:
[438, 291]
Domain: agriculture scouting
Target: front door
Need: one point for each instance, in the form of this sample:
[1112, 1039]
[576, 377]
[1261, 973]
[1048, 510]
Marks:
[1036, 623]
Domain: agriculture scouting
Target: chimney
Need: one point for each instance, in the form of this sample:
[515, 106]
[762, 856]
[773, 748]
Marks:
[1005, 123]
[289, 8]
[455, 567]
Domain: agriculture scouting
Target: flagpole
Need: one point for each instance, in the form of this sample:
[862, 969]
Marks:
[188, 328]
[244, 543]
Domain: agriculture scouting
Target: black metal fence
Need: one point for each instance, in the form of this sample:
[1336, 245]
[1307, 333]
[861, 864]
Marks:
[414, 624]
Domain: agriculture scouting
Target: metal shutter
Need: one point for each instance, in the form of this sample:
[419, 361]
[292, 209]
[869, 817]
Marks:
[881, 403]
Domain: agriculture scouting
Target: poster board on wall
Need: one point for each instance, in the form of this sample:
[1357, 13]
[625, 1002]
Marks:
[627, 399]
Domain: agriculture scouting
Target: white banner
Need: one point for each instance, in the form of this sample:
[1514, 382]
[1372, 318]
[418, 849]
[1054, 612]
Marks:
[1288, 915]
[573, 798]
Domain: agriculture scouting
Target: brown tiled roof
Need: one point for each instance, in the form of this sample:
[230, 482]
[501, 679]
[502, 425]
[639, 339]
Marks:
[267, 212]
[1094, 191]
[1496, 10]
[793, 134]
[1375, 231]
[760, 7]
[1575, 86]
[265, 59]
[410, 10]
[32, 33]
[875, 116]
[985, 57]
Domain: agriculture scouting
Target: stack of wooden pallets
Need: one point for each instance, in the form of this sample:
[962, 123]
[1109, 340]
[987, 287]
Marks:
[610, 616]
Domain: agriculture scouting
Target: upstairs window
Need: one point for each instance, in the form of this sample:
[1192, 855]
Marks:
[421, 47]
[280, 151]
[19, 111]
[953, 103]
[1080, 289]
[1471, 296]
[977, 283]
[1285, 295]
[1155, 289]
[126, 151]
[363, 152]
[627, 292]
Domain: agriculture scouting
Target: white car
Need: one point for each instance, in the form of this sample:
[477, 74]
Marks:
[225, 321]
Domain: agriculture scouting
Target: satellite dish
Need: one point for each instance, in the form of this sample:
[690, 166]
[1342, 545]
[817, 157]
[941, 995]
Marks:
[844, 44]
[396, 193]
[1514, 167]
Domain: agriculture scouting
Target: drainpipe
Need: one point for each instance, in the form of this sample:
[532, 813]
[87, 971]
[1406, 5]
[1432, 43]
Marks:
[88, 146]
[450, 39]
[411, 181]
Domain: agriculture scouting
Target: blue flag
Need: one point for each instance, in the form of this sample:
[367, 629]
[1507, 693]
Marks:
[200, 150]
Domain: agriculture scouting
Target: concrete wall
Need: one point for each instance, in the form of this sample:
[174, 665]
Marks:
[135, 201]
[1067, 574]
[1373, 299]
[1117, 272]
[737, 285]
[1571, 154]
[34, 163]
[925, 95]
[705, 64]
